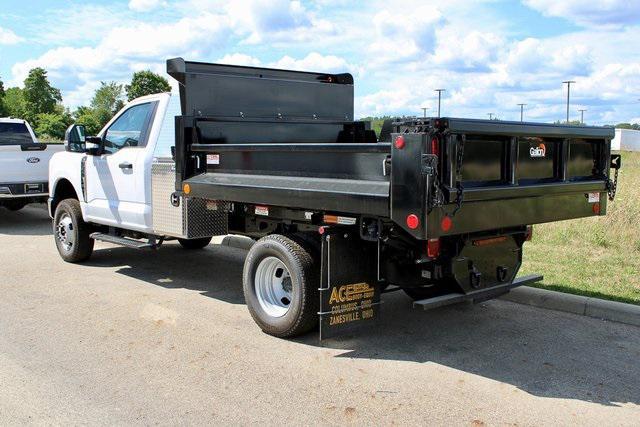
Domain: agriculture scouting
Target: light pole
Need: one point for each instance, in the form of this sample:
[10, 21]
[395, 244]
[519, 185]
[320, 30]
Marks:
[582, 115]
[568, 83]
[521, 112]
[490, 116]
[439, 98]
[424, 112]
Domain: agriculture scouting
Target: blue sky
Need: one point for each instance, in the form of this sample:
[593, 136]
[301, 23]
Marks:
[490, 55]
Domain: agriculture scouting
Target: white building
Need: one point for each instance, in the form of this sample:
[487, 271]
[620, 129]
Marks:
[626, 140]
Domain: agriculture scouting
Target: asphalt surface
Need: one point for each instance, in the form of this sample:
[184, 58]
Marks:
[165, 338]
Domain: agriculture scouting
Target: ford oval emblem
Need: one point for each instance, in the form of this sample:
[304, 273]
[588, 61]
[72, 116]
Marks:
[33, 160]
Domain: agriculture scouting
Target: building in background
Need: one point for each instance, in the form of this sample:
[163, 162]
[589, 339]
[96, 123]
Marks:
[626, 140]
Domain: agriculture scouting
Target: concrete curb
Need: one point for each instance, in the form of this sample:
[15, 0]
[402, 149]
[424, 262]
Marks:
[577, 304]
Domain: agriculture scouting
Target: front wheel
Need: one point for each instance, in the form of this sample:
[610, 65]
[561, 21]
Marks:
[71, 233]
[280, 283]
[195, 243]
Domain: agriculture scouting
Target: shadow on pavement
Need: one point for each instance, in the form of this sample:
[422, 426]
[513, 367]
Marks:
[215, 271]
[544, 353]
[32, 220]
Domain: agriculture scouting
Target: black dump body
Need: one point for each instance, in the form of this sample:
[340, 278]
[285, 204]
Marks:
[288, 139]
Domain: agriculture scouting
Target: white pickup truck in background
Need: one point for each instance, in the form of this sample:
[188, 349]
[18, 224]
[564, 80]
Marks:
[24, 165]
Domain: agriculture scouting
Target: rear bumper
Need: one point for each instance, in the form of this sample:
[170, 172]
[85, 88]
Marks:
[24, 189]
[476, 296]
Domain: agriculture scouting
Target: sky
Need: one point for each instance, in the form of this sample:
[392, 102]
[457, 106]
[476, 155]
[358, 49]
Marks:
[489, 55]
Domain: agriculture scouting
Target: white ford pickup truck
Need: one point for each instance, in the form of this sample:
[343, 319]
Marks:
[101, 188]
[23, 165]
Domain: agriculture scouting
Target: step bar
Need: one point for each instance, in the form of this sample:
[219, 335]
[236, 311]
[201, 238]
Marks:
[476, 296]
[126, 242]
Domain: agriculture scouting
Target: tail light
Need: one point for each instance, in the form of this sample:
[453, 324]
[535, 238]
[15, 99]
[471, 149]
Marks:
[529, 233]
[435, 148]
[413, 221]
[446, 223]
[433, 248]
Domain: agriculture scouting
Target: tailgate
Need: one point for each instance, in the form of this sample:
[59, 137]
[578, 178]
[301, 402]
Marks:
[493, 174]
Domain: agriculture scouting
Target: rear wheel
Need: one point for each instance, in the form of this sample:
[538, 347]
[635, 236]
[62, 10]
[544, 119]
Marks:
[195, 243]
[71, 233]
[280, 283]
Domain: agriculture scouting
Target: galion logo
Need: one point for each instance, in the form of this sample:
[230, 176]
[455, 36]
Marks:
[539, 151]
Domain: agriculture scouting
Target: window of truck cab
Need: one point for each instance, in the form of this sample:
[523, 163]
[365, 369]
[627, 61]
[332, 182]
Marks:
[14, 134]
[131, 128]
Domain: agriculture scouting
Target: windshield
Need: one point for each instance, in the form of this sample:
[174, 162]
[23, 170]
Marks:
[14, 133]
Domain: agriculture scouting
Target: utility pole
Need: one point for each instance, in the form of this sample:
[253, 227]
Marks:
[439, 98]
[582, 115]
[424, 112]
[522, 112]
[490, 116]
[568, 83]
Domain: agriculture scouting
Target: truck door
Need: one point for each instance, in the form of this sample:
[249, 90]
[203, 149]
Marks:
[115, 180]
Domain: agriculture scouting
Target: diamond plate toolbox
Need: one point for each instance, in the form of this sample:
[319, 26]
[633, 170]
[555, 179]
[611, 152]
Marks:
[192, 217]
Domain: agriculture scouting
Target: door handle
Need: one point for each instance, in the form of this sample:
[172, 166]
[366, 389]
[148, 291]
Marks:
[125, 165]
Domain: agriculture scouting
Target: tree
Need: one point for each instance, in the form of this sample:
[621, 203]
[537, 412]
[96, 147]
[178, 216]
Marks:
[107, 100]
[3, 109]
[86, 117]
[39, 96]
[146, 83]
[51, 126]
[14, 102]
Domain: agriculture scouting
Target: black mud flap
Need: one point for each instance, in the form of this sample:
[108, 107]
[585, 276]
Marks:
[349, 293]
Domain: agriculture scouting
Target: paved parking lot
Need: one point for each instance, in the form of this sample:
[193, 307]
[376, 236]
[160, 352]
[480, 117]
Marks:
[165, 338]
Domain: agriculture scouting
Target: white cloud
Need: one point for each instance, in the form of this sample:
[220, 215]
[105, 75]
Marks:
[600, 12]
[240, 59]
[313, 62]
[145, 5]
[7, 36]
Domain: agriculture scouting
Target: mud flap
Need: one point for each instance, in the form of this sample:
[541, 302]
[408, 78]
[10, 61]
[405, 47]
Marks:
[349, 293]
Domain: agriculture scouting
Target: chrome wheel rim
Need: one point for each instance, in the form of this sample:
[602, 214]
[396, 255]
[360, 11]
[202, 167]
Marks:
[64, 232]
[273, 286]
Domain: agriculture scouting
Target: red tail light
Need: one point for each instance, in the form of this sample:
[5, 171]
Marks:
[435, 149]
[433, 248]
[446, 223]
[399, 142]
[413, 221]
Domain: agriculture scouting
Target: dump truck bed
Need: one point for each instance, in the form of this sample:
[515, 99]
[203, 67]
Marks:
[291, 141]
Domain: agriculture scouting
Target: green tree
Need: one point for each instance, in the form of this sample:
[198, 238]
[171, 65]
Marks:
[39, 96]
[146, 83]
[51, 126]
[107, 101]
[86, 117]
[3, 109]
[634, 126]
[14, 102]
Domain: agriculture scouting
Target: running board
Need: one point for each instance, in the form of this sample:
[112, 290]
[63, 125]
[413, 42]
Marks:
[476, 296]
[123, 241]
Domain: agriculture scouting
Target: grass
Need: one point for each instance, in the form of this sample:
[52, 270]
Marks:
[597, 256]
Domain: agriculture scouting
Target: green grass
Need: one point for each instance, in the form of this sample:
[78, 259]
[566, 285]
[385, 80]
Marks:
[597, 256]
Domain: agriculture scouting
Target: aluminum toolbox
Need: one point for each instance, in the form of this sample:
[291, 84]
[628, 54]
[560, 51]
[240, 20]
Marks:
[185, 218]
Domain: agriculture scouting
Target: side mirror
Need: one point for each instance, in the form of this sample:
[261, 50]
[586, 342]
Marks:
[74, 139]
[93, 145]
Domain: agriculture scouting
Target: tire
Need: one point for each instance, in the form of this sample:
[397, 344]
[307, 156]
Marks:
[71, 233]
[280, 283]
[192, 244]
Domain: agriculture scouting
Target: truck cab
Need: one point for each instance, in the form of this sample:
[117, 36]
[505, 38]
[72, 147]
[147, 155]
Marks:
[113, 186]
[23, 165]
